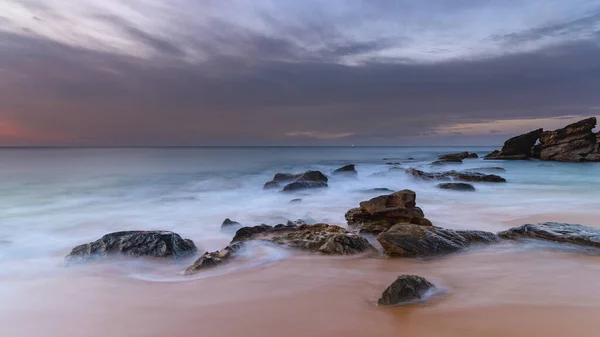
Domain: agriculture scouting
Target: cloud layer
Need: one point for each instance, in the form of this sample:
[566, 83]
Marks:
[184, 72]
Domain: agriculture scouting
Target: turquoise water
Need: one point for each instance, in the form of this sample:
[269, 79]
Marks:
[54, 199]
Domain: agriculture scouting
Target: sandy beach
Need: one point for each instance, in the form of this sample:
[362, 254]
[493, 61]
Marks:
[501, 290]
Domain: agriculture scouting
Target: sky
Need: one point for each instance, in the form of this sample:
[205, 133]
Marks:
[289, 72]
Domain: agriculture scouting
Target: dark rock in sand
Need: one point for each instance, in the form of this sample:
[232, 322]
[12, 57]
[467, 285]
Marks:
[213, 259]
[349, 170]
[406, 289]
[302, 185]
[271, 185]
[409, 240]
[326, 239]
[572, 143]
[133, 244]
[456, 186]
[556, 232]
[381, 213]
[455, 175]
[295, 201]
[229, 224]
[322, 238]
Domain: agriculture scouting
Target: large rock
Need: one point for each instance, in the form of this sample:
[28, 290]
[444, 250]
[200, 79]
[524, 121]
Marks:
[409, 240]
[456, 175]
[348, 170]
[457, 157]
[381, 213]
[322, 238]
[406, 289]
[213, 259]
[456, 186]
[571, 143]
[517, 148]
[295, 182]
[574, 143]
[230, 225]
[133, 244]
[326, 239]
[556, 232]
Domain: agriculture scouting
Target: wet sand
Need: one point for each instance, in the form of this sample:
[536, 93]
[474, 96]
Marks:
[501, 290]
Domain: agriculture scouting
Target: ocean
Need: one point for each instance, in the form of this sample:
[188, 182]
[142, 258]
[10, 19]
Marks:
[56, 198]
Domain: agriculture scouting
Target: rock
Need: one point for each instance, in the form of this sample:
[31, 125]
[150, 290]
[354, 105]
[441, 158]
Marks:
[492, 169]
[271, 185]
[285, 177]
[302, 185]
[326, 239]
[456, 186]
[574, 143]
[409, 240]
[393, 163]
[133, 244]
[322, 238]
[517, 148]
[308, 179]
[557, 232]
[457, 157]
[213, 259]
[229, 224]
[455, 175]
[295, 201]
[406, 289]
[377, 189]
[381, 213]
[346, 170]
[571, 143]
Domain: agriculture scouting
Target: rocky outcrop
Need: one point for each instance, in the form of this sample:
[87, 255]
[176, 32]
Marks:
[381, 213]
[457, 156]
[574, 143]
[322, 238]
[133, 244]
[571, 143]
[229, 225]
[409, 240]
[518, 148]
[406, 289]
[213, 259]
[456, 175]
[456, 186]
[348, 170]
[556, 232]
[295, 182]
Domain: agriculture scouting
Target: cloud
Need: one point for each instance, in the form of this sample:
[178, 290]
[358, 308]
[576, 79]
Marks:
[496, 131]
[232, 72]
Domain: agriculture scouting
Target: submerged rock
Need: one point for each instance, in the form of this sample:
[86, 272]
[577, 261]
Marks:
[409, 240]
[456, 186]
[556, 232]
[378, 189]
[295, 201]
[308, 179]
[457, 157]
[229, 224]
[381, 213]
[302, 185]
[406, 289]
[133, 244]
[491, 168]
[213, 259]
[349, 170]
[456, 175]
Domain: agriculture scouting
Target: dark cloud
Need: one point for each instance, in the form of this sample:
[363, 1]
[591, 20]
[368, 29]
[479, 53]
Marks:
[276, 90]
